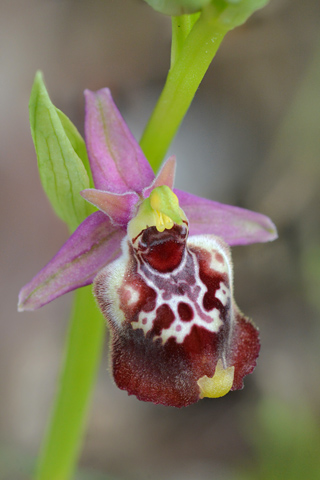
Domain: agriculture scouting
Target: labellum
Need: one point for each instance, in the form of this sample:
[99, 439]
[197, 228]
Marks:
[177, 334]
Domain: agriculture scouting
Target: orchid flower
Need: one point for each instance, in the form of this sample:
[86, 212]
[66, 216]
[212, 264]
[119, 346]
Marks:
[160, 262]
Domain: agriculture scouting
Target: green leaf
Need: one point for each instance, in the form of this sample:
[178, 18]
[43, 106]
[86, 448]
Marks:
[177, 7]
[77, 142]
[60, 153]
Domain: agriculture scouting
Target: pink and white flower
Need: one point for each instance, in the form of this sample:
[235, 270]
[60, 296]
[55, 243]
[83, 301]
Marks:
[161, 266]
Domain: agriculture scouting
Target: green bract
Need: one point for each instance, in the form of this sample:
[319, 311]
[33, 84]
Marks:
[177, 7]
[232, 13]
[62, 157]
[229, 12]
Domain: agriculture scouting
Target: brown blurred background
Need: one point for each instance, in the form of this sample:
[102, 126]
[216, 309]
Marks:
[251, 138]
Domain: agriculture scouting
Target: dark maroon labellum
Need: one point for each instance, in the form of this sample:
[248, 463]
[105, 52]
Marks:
[171, 310]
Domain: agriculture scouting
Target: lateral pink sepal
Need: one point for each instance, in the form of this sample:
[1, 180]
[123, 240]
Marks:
[237, 226]
[93, 245]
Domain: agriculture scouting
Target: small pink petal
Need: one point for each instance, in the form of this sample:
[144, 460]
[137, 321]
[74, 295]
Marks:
[94, 244]
[117, 162]
[237, 226]
[165, 176]
[119, 207]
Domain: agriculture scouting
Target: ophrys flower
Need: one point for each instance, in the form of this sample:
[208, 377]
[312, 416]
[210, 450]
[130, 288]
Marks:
[162, 271]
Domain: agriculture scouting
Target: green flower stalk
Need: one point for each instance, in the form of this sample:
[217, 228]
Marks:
[192, 53]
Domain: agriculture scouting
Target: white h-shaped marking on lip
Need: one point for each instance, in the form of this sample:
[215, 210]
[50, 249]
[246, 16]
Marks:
[179, 329]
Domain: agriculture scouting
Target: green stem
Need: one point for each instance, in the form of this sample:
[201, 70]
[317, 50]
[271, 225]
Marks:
[185, 76]
[82, 358]
[181, 27]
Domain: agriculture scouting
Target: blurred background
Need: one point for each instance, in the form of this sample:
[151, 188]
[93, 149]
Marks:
[251, 138]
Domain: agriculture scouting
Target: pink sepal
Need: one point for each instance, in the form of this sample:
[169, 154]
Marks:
[117, 162]
[237, 226]
[94, 244]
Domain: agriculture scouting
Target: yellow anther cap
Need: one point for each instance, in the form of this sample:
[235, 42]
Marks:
[160, 210]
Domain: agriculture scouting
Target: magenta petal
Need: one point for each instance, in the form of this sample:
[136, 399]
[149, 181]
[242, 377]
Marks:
[237, 226]
[120, 208]
[164, 177]
[117, 162]
[94, 244]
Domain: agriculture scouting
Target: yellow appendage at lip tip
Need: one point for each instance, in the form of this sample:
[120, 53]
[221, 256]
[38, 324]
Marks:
[218, 385]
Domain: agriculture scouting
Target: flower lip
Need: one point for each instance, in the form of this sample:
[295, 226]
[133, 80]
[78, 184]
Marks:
[171, 328]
